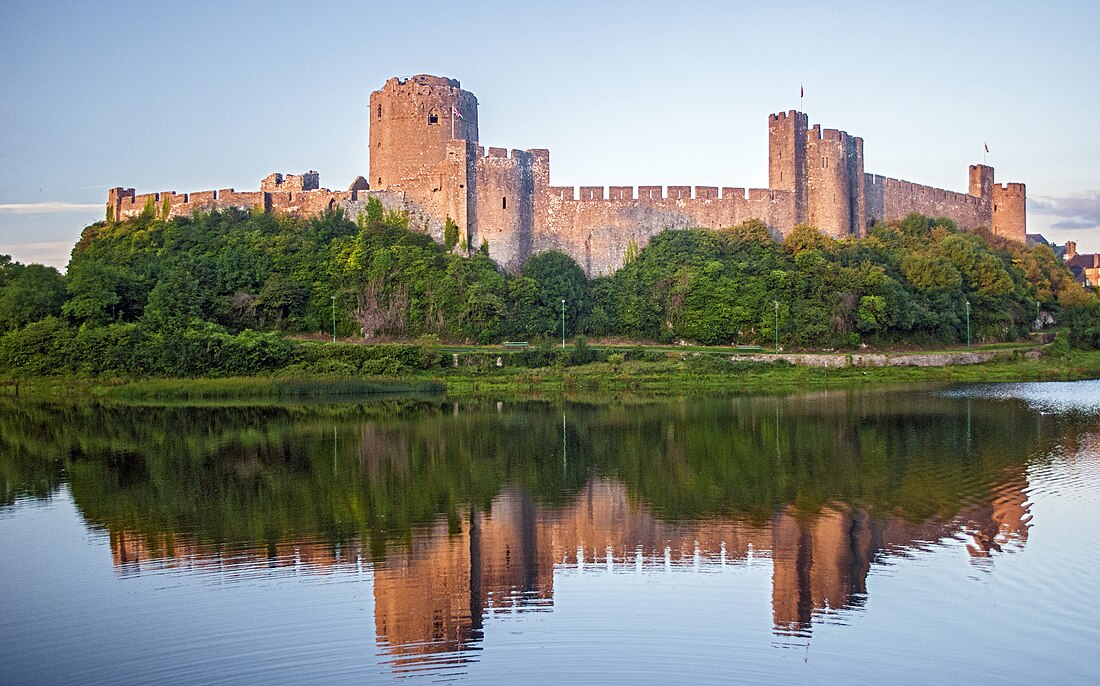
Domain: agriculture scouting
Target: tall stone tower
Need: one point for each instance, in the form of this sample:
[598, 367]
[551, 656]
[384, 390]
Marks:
[824, 171]
[1010, 211]
[787, 158]
[981, 182]
[411, 122]
[836, 184]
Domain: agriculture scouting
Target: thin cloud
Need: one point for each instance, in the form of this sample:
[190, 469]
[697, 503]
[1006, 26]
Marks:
[48, 207]
[1078, 211]
[52, 253]
[1073, 224]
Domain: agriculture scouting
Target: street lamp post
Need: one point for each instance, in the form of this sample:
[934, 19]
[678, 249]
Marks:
[334, 319]
[968, 325]
[563, 323]
[776, 327]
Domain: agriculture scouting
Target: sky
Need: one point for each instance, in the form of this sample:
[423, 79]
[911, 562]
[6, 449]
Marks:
[201, 95]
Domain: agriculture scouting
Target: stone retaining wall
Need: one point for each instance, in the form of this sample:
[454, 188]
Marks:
[880, 360]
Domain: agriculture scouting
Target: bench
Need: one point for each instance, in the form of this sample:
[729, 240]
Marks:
[749, 348]
[515, 344]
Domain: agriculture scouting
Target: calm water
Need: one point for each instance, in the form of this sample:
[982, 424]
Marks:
[909, 536]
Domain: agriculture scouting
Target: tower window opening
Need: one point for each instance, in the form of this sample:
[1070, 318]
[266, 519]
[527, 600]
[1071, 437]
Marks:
[504, 203]
[379, 111]
[379, 180]
[433, 117]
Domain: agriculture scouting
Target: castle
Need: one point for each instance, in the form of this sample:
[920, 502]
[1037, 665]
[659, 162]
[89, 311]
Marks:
[425, 160]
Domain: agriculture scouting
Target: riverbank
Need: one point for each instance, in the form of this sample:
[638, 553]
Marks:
[683, 374]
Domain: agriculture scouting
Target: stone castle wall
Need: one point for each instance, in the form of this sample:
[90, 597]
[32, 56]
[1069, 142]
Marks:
[595, 227]
[124, 203]
[889, 199]
[425, 159]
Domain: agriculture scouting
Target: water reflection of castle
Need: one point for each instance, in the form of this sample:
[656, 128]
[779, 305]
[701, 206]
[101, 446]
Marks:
[432, 596]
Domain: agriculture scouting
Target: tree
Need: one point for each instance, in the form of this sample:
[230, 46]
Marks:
[280, 299]
[92, 289]
[557, 277]
[450, 234]
[173, 303]
[35, 292]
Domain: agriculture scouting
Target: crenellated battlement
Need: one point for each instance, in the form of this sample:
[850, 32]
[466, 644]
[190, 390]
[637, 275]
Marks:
[784, 116]
[649, 194]
[513, 155]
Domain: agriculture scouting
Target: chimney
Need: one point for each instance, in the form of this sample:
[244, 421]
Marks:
[1071, 249]
[1096, 260]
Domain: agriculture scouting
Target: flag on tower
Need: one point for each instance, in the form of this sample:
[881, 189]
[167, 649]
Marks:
[801, 91]
[987, 147]
[455, 112]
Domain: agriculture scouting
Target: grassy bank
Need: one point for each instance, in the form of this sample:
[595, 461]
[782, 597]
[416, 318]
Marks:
[693, 374]
[258, 388]
[704, 374]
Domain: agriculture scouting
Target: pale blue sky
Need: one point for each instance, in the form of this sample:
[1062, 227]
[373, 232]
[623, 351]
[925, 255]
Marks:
[194, 96]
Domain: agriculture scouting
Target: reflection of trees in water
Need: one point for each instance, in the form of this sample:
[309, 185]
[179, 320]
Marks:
[468, 508]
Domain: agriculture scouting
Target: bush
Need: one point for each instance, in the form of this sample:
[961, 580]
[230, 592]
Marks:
[581, 353]
[38, 349]
[1084, 325]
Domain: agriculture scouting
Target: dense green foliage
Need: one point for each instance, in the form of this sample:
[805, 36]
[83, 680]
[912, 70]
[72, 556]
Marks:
[907, 282]
[211, 294]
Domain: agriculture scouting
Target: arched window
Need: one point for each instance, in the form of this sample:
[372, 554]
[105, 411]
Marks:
[379, 111]
[433, 117]
[504, 203]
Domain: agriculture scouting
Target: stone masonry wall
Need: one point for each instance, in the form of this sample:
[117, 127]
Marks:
[890, 199]
[595, 228]
[306, 204]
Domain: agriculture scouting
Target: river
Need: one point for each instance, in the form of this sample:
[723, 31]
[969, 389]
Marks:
[909, 535]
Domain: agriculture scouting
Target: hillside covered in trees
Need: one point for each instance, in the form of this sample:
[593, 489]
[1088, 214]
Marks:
[217, 291]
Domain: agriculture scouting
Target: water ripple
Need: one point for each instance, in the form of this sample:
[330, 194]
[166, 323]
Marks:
[1046, 397]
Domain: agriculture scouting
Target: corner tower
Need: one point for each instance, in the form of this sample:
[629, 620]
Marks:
[411, 122]
[1010, 211]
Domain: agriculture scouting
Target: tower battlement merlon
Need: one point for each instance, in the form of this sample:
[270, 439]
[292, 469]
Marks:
[835, 135]
[788, 115]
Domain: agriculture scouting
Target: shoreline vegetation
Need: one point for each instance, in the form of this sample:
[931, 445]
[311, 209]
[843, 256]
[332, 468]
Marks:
[232, 305]
[583, 371]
